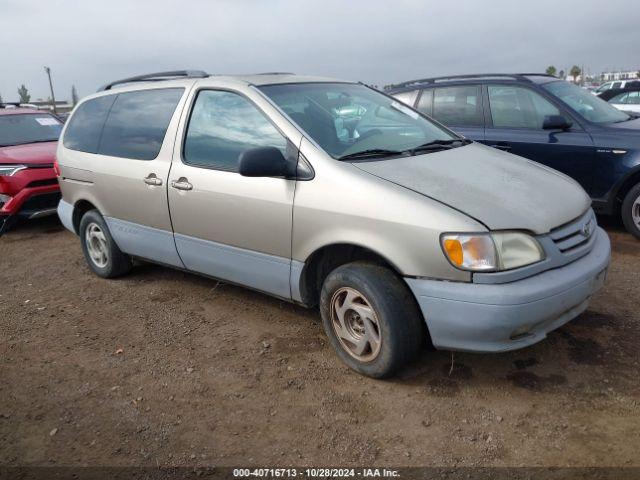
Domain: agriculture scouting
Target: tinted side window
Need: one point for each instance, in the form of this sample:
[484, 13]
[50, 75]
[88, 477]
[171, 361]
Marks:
[633, 98]
[458, 106]
[518, 107]
[425, 102]
[138, 122]
[223, 125]
[85, 126]
[620, 98]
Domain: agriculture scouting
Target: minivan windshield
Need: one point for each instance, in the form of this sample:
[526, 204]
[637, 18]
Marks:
[18, 129]
[592, 108]
[352, 121]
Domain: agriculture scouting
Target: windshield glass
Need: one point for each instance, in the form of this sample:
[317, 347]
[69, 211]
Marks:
[16, 129]
[586, 104]
[349, 119]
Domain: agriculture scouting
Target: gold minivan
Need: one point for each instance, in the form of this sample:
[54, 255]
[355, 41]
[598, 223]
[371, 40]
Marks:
[329, 193]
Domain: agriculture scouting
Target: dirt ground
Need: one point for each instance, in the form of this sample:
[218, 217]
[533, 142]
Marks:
[167, 368]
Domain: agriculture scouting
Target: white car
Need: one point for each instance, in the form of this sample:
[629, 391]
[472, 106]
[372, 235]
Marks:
[627, 101]
[611, 85]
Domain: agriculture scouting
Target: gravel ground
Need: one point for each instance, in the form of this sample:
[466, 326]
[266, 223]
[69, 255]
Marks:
[167, 368]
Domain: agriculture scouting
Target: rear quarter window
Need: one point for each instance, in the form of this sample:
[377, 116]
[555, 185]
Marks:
[137, 123]
[425, 103]
[127, 125]
[85, 126]
[408, 98]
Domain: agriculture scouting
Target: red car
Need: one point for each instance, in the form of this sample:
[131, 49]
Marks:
[28, 183]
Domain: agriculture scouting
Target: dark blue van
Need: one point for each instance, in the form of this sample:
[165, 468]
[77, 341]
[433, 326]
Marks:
[545, 119]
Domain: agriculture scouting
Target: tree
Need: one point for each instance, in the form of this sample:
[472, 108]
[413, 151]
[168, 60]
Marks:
[23, 93]
[561, 74]
[575, 73]
[551, 70]
[1, 102]
[74, 95]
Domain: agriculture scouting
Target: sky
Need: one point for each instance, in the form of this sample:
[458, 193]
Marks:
[88, 43]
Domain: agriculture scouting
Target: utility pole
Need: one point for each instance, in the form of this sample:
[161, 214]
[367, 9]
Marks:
[53, 98]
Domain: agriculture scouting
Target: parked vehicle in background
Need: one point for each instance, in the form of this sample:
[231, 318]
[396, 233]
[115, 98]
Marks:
[329, 193]
[614, 85]
[625, 99]
[548, 120]
[63, 117]
[28, 184]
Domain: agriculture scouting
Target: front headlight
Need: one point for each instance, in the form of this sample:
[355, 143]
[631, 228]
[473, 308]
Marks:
[8, 170]
[490, 252]
[516, 249]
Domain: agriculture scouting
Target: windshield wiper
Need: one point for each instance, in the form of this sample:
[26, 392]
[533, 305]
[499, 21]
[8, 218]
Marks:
[437, 145]
[371, 153]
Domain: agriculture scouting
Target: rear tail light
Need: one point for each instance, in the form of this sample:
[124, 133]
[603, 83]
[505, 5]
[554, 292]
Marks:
[56, 167]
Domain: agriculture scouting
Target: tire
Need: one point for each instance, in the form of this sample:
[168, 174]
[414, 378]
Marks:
[631, 211]
[392, 314]
[102, 254]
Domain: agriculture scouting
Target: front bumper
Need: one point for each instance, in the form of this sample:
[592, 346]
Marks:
[32, 193]
[495, 318]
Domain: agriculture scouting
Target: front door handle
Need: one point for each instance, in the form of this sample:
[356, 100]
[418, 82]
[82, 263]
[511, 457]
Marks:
[181, 184]
[152, 179]
[502, 146]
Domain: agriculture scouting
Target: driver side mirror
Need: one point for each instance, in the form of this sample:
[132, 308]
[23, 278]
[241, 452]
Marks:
[556, 122]
[264, 162]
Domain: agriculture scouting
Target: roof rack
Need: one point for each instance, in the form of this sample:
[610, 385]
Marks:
[515, 76]
[156, 77]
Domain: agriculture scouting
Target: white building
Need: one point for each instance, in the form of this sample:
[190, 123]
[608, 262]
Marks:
[624, 75]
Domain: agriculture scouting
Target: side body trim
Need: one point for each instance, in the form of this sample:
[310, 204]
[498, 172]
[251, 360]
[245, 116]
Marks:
[260, 271]
[145, 242]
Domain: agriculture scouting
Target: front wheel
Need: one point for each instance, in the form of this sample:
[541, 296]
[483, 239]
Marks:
[104, 257]
[631, 211]
[371, 318]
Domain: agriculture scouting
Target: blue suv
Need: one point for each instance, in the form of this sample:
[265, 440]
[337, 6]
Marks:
[547, 120]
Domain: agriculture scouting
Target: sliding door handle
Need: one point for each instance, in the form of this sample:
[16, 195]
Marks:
[181, 184]
[152, 179]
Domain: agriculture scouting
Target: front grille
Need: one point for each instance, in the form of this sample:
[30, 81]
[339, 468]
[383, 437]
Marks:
[572, 236]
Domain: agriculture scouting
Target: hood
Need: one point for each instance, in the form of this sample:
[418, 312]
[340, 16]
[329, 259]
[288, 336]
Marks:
[500, 190]
[29, 154]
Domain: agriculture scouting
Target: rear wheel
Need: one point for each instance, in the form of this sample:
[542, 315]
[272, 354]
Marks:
[371, 318]
[631, 211]
[103, 256]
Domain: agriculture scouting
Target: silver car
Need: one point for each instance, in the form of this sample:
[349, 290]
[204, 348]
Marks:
[329, 193]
